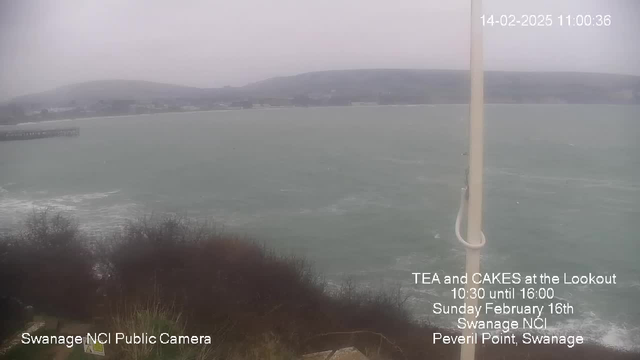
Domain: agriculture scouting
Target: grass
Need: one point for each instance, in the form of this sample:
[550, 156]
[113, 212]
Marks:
[153, 319]
[79, 354]
[178, 276]
[35, 351]
[44, 352]
[266, 347]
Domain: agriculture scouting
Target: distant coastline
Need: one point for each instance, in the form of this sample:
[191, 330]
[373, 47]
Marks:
[52, 121]
[107, 98]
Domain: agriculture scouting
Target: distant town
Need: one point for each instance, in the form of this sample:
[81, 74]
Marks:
[13, 113]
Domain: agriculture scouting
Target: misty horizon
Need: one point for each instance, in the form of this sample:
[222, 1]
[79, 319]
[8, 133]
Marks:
[318, 71]
[46, 45]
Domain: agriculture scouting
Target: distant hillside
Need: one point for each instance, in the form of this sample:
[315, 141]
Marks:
[442, 86]
[94, 91]
[376, 85]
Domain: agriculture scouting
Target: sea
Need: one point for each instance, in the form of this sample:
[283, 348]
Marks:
[370, 193]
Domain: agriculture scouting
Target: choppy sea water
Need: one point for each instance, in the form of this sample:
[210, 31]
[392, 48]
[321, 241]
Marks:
[370, 193]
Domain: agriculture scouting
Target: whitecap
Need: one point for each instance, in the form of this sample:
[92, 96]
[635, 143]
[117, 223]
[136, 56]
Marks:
[403, 161]
[608, 334]
[354, 203]
[77, 198]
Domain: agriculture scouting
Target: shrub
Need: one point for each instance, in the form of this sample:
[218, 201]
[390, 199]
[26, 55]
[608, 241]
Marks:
[216, 278]
[171, 274]
[49, 265]
[228, 285]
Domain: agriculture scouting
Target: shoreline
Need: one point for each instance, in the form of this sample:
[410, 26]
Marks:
[27, 123]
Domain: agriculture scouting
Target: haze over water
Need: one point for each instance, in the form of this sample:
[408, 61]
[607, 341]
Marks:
[370, 192]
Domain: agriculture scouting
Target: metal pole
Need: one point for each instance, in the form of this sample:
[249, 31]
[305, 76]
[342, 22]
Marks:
[476, 147]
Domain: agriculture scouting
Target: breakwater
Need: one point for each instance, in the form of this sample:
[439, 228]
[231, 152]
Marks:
[9, 135]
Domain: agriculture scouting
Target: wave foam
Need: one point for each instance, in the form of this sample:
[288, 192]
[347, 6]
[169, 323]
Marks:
[617, 336]
[584, 182]
[355, 203]
[13, 209]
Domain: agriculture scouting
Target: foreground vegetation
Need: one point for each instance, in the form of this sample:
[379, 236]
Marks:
[186, 278]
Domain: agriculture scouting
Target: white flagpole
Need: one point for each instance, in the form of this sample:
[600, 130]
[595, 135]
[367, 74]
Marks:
[476, 147]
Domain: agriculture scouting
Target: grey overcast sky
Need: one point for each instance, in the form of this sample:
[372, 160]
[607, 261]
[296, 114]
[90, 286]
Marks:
[212, 43]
